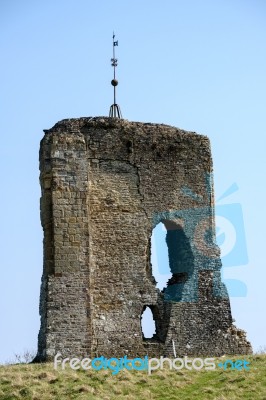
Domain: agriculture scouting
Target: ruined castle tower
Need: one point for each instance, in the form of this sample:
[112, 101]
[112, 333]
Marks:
[106, 183]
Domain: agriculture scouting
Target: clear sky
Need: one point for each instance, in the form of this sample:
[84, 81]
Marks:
[195, 64]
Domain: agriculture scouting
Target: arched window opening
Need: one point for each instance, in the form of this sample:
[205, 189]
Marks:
[172, 259]
[159, 256]
[148, 326]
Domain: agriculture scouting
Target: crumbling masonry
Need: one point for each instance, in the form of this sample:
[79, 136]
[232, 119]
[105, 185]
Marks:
[106, 183]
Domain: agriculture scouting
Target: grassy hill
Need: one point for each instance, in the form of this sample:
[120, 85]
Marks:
[43, 382]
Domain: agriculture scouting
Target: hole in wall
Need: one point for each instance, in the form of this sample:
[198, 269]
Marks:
[172, 259]
[148, 327]
[159, 256]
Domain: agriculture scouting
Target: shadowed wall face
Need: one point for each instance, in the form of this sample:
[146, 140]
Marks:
[106, 183]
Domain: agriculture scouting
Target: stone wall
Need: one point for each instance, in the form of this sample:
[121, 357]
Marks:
[106, 183]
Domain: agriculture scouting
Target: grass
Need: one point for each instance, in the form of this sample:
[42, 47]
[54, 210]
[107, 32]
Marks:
[43, 382]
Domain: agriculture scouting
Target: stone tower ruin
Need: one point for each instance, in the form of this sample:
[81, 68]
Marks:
[106, 183]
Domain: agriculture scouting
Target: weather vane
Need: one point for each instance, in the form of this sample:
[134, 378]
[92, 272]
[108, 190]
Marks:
[115, 111]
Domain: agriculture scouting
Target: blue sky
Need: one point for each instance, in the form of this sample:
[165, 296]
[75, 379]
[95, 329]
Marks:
[197, 65]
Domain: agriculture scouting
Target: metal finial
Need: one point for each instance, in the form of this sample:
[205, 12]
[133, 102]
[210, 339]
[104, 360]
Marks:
[115, 111]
